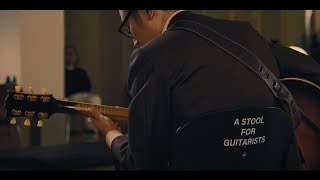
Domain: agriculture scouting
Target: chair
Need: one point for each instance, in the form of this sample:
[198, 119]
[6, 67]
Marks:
[240, 139]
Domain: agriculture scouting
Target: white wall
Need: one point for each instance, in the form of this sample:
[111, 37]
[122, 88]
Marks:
[32, 48]
[42, 62]
[9, 45]
[42, 53]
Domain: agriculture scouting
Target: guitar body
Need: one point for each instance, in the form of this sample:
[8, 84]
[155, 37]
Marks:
[307, 96]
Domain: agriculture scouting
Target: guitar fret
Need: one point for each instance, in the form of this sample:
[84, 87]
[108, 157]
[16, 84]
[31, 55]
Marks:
[106, 110]
[103, 111]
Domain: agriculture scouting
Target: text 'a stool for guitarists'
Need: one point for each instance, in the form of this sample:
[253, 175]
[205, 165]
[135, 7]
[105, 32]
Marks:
[240, 139]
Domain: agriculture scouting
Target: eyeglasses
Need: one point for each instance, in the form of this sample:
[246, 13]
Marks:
[123, 29]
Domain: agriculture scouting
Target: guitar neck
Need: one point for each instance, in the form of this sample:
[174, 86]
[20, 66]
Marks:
[116, 113]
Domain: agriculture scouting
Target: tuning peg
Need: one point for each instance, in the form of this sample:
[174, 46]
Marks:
[13, 121]
[40, 123]
[44, 90]
[29, 113]
[30, 90]
[17, 88]
[16, 112]
[26, 122]
[43, 115]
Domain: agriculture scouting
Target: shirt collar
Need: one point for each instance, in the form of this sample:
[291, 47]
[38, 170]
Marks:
[165, 27]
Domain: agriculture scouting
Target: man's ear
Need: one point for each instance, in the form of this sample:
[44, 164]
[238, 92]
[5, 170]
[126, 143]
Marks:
[149, 13]
[146, 15]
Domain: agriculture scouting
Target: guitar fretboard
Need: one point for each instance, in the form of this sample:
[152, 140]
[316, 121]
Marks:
[114, 112]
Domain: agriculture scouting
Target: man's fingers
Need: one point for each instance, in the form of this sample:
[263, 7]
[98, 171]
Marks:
[94, 112]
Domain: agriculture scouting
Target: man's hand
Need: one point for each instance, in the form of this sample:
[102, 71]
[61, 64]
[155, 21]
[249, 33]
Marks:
[103, 123]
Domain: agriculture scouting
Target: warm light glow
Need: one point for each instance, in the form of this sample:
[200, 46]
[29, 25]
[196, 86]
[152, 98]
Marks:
[299, 49]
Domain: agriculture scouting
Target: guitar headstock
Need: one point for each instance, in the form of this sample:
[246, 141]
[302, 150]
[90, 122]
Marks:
[30, 105]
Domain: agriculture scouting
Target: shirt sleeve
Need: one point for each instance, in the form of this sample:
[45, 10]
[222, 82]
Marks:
[148, 143]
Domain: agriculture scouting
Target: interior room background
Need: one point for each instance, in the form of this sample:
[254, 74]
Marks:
[32, 50]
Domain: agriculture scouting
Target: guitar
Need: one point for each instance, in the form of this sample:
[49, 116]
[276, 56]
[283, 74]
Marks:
[307, 97]
[42, 106]
[305, 93]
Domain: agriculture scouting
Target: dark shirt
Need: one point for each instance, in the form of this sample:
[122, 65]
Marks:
[76, 80]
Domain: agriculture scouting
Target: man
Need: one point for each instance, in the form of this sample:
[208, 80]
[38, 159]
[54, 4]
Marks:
[77, 79]
[176, 75]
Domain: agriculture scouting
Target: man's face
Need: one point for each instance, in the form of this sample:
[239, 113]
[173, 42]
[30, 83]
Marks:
[139, 25]
[71, 57]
